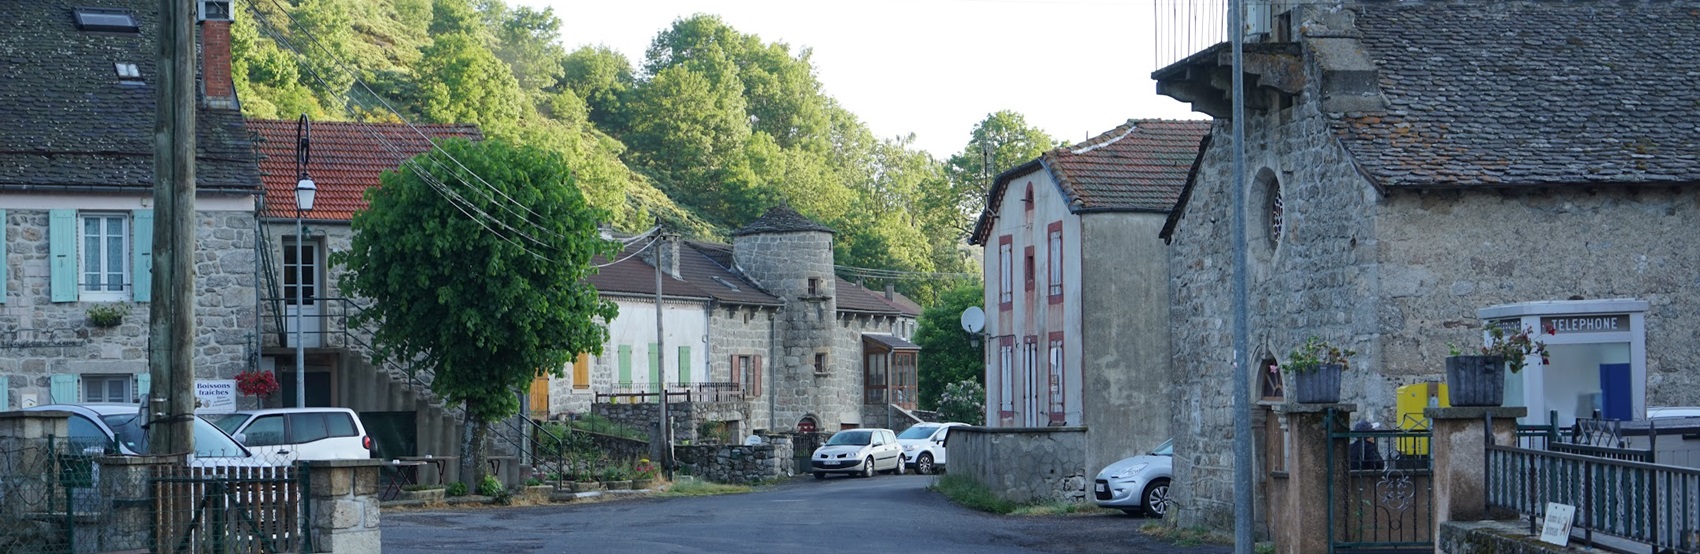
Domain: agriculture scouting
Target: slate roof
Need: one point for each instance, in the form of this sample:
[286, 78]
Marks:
[1530, 93]
[858, 299]
[891, 342]
[781, 219]
[1139, 166]
[699, 277]
[67, 121]
[347, 159]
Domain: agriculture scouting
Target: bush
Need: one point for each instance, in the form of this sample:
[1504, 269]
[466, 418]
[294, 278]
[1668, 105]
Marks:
[456, 488]
[491, 486]
[971, 494]
[616, 472]
[598, 424]
[963, 401]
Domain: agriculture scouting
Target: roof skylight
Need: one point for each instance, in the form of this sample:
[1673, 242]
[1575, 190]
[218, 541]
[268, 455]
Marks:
[111, 20]
[717, 279]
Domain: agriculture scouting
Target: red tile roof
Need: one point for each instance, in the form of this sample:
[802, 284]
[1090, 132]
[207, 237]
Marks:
[347, 159]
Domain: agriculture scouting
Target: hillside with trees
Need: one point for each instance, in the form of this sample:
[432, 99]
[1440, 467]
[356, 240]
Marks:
[704, 134]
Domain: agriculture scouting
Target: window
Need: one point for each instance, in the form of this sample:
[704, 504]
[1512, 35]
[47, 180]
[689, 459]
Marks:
[1277, 213]
[581, 371]
[308, 428]
[1029, 269]
[265, 431]
[1028, 199]
[874, 379]
[741, 378]
[1054, 260]
[127, 70]
[1006, 376]
[302, 259]
[110, 20]
[108, 388]
[903, 371]
[814, 286]
[820, 362]
[1058, 414]
[1006, 268]
[104, 249]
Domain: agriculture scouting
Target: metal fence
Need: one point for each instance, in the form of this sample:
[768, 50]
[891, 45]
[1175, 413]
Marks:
[56, 497]
[1649, 503]
[1384, 500]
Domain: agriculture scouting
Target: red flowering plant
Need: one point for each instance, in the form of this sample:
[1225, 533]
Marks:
[1515, 348]
[256, 383]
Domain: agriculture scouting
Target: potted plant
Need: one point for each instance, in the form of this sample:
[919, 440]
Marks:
[643, 475]
[616, 477]
[256, 383]
[1316, 367]
[108, 316]
[1475, 377]
[583, 478]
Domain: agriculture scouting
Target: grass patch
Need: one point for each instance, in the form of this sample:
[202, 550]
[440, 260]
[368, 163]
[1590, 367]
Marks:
[694, 487]
[1063, 509]
[962, 490]
[598, 424]
[1187, 536]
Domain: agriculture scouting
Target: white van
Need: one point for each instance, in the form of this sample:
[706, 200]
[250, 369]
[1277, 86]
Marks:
[286, 435]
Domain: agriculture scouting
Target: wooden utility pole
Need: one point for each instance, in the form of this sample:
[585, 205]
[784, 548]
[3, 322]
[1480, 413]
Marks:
[171, 322]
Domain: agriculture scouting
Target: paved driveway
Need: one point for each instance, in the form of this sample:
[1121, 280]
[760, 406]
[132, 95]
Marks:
[882, 514]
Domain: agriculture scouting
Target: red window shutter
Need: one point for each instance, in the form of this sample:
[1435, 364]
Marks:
[755, 367]
[736, 379]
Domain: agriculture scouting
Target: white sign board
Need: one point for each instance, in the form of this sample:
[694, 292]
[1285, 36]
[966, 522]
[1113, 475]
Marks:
[215, 396]
[1557, 528]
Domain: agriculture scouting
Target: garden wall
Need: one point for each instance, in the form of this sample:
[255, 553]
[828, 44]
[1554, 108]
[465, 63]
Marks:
[1023, 464]
[739, 463]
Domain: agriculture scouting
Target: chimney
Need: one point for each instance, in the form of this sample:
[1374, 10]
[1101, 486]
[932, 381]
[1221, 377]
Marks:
[668, 247]
[890, 291]
[218, 91]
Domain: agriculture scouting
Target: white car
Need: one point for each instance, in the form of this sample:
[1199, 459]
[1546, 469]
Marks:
[1136, 484]
[290, 434]
[923, 446]
[1672, 412]
[858, 452]
[117, 429]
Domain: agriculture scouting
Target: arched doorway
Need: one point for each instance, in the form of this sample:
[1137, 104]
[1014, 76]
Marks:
[806, 425]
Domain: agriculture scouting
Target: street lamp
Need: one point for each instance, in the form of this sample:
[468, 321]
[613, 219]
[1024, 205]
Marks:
[304, 191]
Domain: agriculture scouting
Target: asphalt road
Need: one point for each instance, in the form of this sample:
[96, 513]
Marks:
[882, 514]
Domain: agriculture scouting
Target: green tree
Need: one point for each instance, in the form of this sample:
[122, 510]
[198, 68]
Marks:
[525, 40]
[481, 300]
[963, 401]
[949, 355]
[461, 81]
[602, 78]
[1008, 141]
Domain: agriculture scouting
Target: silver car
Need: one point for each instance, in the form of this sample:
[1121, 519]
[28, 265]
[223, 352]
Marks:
[1138, 484]
[859, 452]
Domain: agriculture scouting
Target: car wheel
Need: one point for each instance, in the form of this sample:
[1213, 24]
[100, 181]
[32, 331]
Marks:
[868, 467]
[924, 463]
[899, 469]
[1156, 498]
[820, 474]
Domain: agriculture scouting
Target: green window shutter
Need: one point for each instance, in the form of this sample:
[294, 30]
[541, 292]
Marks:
[141, 269]
[625, 365]
[62, 255]
[144, 383]
[2, 292]
[655, 366]
[684, 365]
[63, 389]
[5, 393]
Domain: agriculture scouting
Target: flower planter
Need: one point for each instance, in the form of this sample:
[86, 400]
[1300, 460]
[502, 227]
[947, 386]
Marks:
[642, 484]
[1318, 387]
[423, 495]
[1475, 380]
[619, 485]
[584, 486]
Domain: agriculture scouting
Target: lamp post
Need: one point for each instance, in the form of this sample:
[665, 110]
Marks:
[304, 190]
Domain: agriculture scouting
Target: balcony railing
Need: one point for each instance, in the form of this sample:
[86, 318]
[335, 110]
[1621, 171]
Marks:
[1185, 27]
[1649, 503]
[696, 392]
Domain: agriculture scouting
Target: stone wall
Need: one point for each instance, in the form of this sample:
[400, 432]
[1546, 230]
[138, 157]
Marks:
[739, 463]
[686, 416]
[1023, 464]
[1125, 369]
[1396, 275]
[782, 264]
[743, 331]
[40, 338]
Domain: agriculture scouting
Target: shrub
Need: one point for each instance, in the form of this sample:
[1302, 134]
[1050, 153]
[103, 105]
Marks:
[456, 488]
[971, 494]
[963, 401]
[616, 472]
[491, 486]
[108, 315]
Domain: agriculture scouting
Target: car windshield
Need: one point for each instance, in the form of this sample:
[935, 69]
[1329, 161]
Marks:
[1165, 449]
[919, 432]
[209, 441]
[227, 422]
[850, 438]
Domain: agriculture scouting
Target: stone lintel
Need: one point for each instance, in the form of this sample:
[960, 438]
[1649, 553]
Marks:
[1476, 412]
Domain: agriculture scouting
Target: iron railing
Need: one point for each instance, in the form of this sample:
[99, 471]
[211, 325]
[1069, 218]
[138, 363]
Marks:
[697, 392]
[1384, 498]
[1649, 503]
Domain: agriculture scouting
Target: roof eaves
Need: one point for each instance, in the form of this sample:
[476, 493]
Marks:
[1186, 191]
[994, 199]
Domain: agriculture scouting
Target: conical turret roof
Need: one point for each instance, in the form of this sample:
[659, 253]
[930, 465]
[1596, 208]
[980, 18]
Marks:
[781, 219]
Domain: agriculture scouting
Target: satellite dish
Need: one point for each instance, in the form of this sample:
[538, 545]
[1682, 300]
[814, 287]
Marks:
[973, 319]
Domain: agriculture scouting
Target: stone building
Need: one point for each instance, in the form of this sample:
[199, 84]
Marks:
[1412, 164]
[761, 326]
[1077, 288]
[76, 204]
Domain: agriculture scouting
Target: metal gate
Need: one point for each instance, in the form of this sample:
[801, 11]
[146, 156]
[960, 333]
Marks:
[221, 510]
[1380, 496]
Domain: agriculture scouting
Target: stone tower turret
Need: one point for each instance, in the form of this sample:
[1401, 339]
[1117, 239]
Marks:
[790, 256]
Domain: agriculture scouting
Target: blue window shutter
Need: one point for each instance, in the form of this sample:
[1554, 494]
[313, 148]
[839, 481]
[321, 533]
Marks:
[62, 255]
[144, 383]
[63, 389]
[5, 393]
[141, 271]
[2, 288]
[655, 366]
[625, 365]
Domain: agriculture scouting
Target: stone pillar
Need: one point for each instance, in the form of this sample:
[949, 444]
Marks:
[1301, 526]
[344, 501]
[125, 482]
[1459, 451]
[33, 425]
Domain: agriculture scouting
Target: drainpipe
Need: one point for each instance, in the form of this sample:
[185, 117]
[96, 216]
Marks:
[772, 373]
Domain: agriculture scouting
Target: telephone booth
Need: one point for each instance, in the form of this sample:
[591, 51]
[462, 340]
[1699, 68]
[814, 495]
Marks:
[1598, 359]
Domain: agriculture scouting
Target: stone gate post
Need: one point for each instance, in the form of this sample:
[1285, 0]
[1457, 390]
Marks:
[1300, 523]
[344, 502]
[1459, 450]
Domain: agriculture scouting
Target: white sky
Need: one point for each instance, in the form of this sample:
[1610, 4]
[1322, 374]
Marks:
[1074, 68]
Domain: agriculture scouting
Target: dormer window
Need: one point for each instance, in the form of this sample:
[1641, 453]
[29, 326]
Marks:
[128, 71]
[106, 20]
